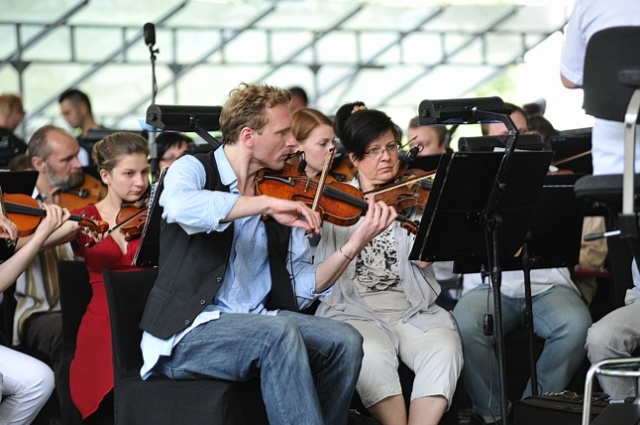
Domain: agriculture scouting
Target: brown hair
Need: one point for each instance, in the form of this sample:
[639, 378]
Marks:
[20, 162]
[440, 129]
[38, 145]
[247, 107]
[514, 109]
[106, 153]
[305, 120]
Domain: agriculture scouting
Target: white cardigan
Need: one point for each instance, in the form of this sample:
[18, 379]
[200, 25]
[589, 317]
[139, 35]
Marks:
[420, 286]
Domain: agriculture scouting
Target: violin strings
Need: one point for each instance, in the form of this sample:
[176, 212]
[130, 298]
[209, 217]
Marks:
[32, 211]
[405, 183]
[23, 209]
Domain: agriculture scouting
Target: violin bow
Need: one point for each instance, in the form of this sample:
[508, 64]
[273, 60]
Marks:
[323, 178]
[406, 182]
[571, 158]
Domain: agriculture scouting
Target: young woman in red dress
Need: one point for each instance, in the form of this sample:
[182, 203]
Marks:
[121, 159]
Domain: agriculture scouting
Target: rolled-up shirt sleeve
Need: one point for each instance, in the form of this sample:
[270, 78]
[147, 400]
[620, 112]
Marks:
[187, 203]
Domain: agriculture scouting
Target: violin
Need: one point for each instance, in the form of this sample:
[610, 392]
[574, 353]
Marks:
[342, 169]
[132, 217]
[89, 192]
[410, 189]
[26, 213]
[340, 203]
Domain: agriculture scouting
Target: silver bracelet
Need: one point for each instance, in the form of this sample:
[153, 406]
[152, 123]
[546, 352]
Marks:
[345, 255]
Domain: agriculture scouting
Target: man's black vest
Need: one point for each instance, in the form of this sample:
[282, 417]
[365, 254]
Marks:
[191, 269]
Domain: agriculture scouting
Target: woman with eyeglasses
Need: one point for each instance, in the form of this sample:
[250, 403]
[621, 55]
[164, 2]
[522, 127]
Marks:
[389, 299]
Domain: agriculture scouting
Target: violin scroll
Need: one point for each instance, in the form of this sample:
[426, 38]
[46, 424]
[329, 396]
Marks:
[99, 227]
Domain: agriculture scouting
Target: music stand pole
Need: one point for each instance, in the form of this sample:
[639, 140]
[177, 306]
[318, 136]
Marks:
[492, 222]
[528, 314]
[496, 282]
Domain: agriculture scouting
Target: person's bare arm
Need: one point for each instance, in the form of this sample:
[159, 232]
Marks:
[15, 265]
[568, 83]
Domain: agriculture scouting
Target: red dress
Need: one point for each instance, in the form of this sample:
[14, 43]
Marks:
[91, 371]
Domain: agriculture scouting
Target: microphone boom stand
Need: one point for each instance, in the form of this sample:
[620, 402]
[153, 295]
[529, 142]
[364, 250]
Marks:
[492, 221]
[153, 147]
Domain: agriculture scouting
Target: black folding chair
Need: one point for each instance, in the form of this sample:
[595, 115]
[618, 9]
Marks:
[159, 400]
[612, 92]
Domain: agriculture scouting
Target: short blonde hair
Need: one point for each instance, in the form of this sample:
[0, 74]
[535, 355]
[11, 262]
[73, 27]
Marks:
[247, 107]
[10, 104]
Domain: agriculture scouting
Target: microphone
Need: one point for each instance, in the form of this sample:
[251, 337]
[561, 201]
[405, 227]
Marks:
[149, 31]
[413, 152]
[302, 164]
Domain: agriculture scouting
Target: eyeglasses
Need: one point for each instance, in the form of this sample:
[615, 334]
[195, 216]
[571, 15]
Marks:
[376, 152]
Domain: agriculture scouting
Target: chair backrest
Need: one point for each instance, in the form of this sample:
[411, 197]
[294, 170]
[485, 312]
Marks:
[608, 52]
[75, 294]
[127, 294]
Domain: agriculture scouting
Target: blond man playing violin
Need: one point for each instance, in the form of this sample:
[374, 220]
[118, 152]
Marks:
[235, 281]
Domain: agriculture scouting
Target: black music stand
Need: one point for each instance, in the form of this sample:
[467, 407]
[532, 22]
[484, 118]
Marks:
[555, 229]
[18, 181]
[149, 249]
[527, 142]
[426, 163]
[552, 241]
[451, 227]
[460, 223]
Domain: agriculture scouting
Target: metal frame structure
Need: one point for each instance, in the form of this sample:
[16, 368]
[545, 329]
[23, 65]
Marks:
[452, 44]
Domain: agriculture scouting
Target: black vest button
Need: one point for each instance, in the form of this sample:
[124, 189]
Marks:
[218, 279]
[186, 322]
[203, 302]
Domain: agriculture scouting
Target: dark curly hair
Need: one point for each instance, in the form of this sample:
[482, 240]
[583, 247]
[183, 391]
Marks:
[356, 127]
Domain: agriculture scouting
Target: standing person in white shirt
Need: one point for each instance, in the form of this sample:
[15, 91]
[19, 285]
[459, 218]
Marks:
[617, 334]
[589, 17]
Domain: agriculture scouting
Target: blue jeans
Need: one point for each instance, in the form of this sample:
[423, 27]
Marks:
[559, 316]
[307, 365]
